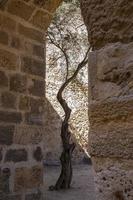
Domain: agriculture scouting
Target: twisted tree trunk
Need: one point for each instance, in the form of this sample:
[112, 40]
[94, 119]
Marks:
[65, 178]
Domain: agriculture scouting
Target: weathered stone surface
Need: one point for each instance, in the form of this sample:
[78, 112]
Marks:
[10, 117]
[112, 181]
[6, 135]
[108, 21]
[102, 163]
[111, 75]
[36, 105]
[28, 135]
[34, 196]
[16, 155]
[3, 79]
[8, 60]
[41, 19]
[28, 47]
[112, 141]
[36, 87]
[38, 51]
[37, 154]
[18, 83]
[15, 42]
[8, 100]
[33, 66]
[7, 23]
[27, 178]
[11, 197]
[111, 71]
[4, 180]
[116, 110]
[33, 118]
[3, 5]
[1, 156]
[20, 9]
[3, 37]
[51, 150]
[50, 5]
[31, 33]
[24, 103]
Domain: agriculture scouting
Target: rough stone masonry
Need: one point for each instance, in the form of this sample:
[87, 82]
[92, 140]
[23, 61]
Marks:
[24, 110]
[110, 31]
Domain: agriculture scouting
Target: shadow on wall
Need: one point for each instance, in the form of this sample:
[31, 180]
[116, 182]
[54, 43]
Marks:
[52, 140]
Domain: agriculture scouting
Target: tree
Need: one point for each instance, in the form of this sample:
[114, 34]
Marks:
[68, 43]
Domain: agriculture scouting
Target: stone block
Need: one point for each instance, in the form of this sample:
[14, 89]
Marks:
[3, 79]
[34, 118]
[20, 9]
[31, 33]
[28, 47]
[34, 196]
[3, 37]
[4, 180]
[104, 28]
[38, 51]
[111, 142]
[16, 155]
[37, 154]
[41, 19]
[10, 117]
[114, 183]
[111, 71]
[8, 24]
[51, 5]
[15, 42]
[6, 135]
[11, 197]
[36, 87]
[1, 156]
[28, 178]
[33, 66]
[28, 135]
[36, 105]
[103, 163]
[118, 110]
[24, 103]
[18, 83]
[2, 6]
[8, 60]
[8, 100]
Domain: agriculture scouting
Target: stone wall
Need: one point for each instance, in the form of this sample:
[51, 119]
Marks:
[23, 106]
[110, 31]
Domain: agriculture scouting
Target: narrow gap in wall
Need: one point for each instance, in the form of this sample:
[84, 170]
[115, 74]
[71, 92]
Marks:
[68, 31]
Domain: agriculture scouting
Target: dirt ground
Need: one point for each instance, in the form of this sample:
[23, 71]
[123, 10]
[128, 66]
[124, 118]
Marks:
[82, 184]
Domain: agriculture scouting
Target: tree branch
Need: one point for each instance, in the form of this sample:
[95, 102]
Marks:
[61, 100]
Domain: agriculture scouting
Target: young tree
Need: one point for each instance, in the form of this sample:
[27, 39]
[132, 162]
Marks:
[70, 48]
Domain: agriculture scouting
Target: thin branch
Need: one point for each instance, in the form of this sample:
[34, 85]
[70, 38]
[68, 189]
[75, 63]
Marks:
[63, 51]
[61, 100]
[54, 60]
